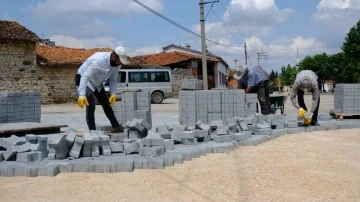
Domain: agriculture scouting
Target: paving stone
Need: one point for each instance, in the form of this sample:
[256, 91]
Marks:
[169, 144]
[105, 145]
[100, 167]
[226, 138]
[76, 148]
[70, 138]
[156, 163]
[309, 129]
[131, 147]
[31, 138]
[239, 136]
[293, 130]
[126, 165]
[151, 151]
[116, 147]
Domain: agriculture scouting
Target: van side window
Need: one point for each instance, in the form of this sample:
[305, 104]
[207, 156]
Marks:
[122, 77]
[159, 77]
[135, 77]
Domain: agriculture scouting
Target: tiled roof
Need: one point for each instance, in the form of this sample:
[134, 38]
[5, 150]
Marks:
[57, 55]
[15, 31]
[163, 59]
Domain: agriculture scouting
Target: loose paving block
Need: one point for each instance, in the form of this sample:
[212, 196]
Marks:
[188, 135]
[135, 125]
[201, 133]
[76, 148]
[105, 145]
[59, 144]
[87, 144]
[169, 144]
[254, 129]
[164, 132]
[116, 147]
[25, 147]
[70, 138]
[31, 138]
[244, 126]
[25, 157]
[131, 147]
[95, 146]
[221, 131]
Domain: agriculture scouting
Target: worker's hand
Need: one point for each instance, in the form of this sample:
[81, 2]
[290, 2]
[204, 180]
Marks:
[112, 99]
[307, 121]
[301, 113]
[82, 100]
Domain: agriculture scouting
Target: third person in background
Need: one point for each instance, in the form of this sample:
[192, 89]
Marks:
[255, 80]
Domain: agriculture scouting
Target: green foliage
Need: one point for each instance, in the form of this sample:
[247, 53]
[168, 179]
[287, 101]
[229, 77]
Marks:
[288, 74]
[351, 46]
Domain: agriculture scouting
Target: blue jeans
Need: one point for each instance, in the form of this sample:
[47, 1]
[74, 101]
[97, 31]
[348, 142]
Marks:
[103, 99]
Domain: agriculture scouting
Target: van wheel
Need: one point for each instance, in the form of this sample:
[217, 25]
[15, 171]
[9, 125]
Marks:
[157, 97]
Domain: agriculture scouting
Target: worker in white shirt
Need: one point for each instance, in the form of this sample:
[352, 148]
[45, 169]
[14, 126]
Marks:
[90, 77]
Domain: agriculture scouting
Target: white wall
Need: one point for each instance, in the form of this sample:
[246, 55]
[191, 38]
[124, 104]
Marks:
[221, 68]
[172, 49]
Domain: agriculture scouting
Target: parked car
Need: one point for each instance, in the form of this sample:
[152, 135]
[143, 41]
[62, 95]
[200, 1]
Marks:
[156, 81]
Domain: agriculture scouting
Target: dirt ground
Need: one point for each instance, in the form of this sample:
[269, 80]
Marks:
[318, 166]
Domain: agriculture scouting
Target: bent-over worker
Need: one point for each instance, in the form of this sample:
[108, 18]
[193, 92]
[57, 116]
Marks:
[90, 77]
[306, 81]
[255, 80]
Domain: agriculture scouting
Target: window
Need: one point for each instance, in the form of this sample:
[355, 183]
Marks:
[137, 77]
[122, 77]
[159, 77]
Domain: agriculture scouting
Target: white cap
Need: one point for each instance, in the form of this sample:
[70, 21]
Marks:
[121, 52]
[239, 72]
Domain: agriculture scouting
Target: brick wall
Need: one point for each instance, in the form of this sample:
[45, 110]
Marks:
[18, 67]
[19, 73]
[59, 86]
[177, 76]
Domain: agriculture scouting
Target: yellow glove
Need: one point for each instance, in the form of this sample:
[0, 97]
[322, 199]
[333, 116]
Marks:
[112, 99]
[301, 113]
[82, 100]
[307, 121]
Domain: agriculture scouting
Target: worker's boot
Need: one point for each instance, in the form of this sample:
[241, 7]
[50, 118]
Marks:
[118, 129]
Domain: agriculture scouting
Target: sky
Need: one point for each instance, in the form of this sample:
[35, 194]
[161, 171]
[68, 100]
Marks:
[281, 29]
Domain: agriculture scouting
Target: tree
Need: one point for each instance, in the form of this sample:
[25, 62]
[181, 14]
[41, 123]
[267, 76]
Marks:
[344, 69]
[351, 48]
[288, 75]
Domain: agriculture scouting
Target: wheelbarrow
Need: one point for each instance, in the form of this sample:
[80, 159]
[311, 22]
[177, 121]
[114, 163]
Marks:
[277, 102]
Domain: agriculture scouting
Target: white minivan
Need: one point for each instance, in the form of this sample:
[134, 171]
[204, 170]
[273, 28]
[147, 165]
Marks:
[156, 81]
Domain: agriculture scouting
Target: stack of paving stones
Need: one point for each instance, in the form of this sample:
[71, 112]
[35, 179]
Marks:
[346, 99]
[191, 84]
[213, 105]
[132, 105]
[163, 146]
[20, 107]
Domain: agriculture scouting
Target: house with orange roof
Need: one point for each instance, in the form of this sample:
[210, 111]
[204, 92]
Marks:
[179, 57]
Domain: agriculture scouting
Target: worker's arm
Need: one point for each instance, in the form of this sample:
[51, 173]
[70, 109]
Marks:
[293, 95]
[250, 80]
[113, 81]
[85, 78]
[315, 97]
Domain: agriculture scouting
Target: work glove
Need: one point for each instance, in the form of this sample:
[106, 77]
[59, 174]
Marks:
[307, 118]
[112, 99]
[82, 100]
[301, 113]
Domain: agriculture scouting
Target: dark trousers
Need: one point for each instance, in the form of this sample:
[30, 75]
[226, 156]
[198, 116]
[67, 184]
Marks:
[300, 96]
[262, 91]
[103, 99]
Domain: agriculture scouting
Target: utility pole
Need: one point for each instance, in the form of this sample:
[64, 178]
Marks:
[245, 53]
[235, 63]
[262, 55]
[203, 43]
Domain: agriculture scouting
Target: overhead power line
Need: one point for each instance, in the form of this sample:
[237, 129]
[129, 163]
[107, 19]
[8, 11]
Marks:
[183, 28]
